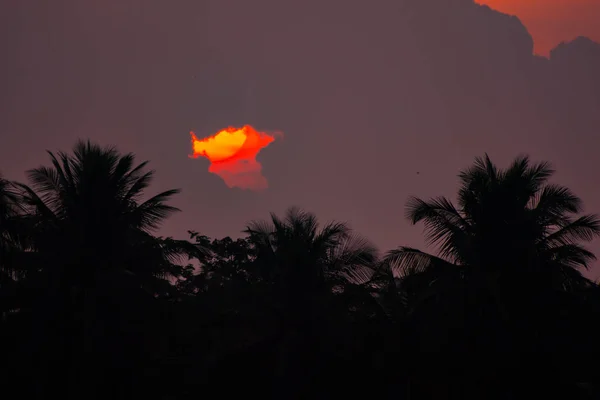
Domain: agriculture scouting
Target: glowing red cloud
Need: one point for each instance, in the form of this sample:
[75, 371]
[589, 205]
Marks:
[232, 154]
[551, 22]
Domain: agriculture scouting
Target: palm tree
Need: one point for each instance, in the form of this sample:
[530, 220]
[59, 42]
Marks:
[88, 217]
[507, 221]
[509, 261]
[305, 265]
[511, 247]
[295, 254]
[99, 263]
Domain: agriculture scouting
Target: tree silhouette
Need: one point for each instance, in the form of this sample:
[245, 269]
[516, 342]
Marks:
[85, 280]
[509, 261]
[500, 210]
[305, 264]
[89, 217]
[302, 257]
[11, 243]
[92, 232]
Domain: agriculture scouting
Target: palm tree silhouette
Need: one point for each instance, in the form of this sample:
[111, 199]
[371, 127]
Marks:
[11, 242]
[513, 244]
[507, 222]
[89, 218]
[99, 264]
[305, 264]
[508, 267]
[300, 257]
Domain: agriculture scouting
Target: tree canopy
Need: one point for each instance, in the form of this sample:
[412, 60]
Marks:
[291, 306]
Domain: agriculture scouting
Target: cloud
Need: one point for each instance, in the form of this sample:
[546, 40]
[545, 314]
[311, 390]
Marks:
[232, 153]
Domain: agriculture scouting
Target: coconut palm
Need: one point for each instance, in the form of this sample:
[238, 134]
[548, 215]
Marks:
[305, 264]
[507, 222]
[99, 263]
[511, 247]
[302, 257]
[88, 216]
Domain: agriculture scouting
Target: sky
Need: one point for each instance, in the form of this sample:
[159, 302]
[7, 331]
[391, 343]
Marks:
[376, 100]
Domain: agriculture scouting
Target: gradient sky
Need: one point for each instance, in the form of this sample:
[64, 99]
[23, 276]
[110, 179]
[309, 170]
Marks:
[378, 100]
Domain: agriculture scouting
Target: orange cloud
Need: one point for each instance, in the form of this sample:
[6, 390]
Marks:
[232, 153]
[551, 22]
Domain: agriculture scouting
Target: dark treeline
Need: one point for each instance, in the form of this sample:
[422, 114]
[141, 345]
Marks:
[95, 305]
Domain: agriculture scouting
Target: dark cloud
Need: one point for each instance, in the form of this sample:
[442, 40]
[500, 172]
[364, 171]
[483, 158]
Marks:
[368, 93]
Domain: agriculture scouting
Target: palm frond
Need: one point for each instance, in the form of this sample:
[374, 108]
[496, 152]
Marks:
[134, 186]
[331, 235]
[354, 258]
[443, 225]
[46, 181]
[259, 228]
[537, 175]
[358, 275]
[31, 198]
[355, 249]
[554, 203]
[571, 255]
[10, 198]
[480, 172]
[405, 261]
[150, 214]
[123, 167]
[584, 229]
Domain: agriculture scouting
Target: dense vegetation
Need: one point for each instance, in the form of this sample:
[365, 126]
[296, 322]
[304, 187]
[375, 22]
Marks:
[95, 305]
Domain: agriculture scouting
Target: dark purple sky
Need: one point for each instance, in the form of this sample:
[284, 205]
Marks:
[367, 94]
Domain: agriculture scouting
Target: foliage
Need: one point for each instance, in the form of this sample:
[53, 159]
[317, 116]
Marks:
[292, 302]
